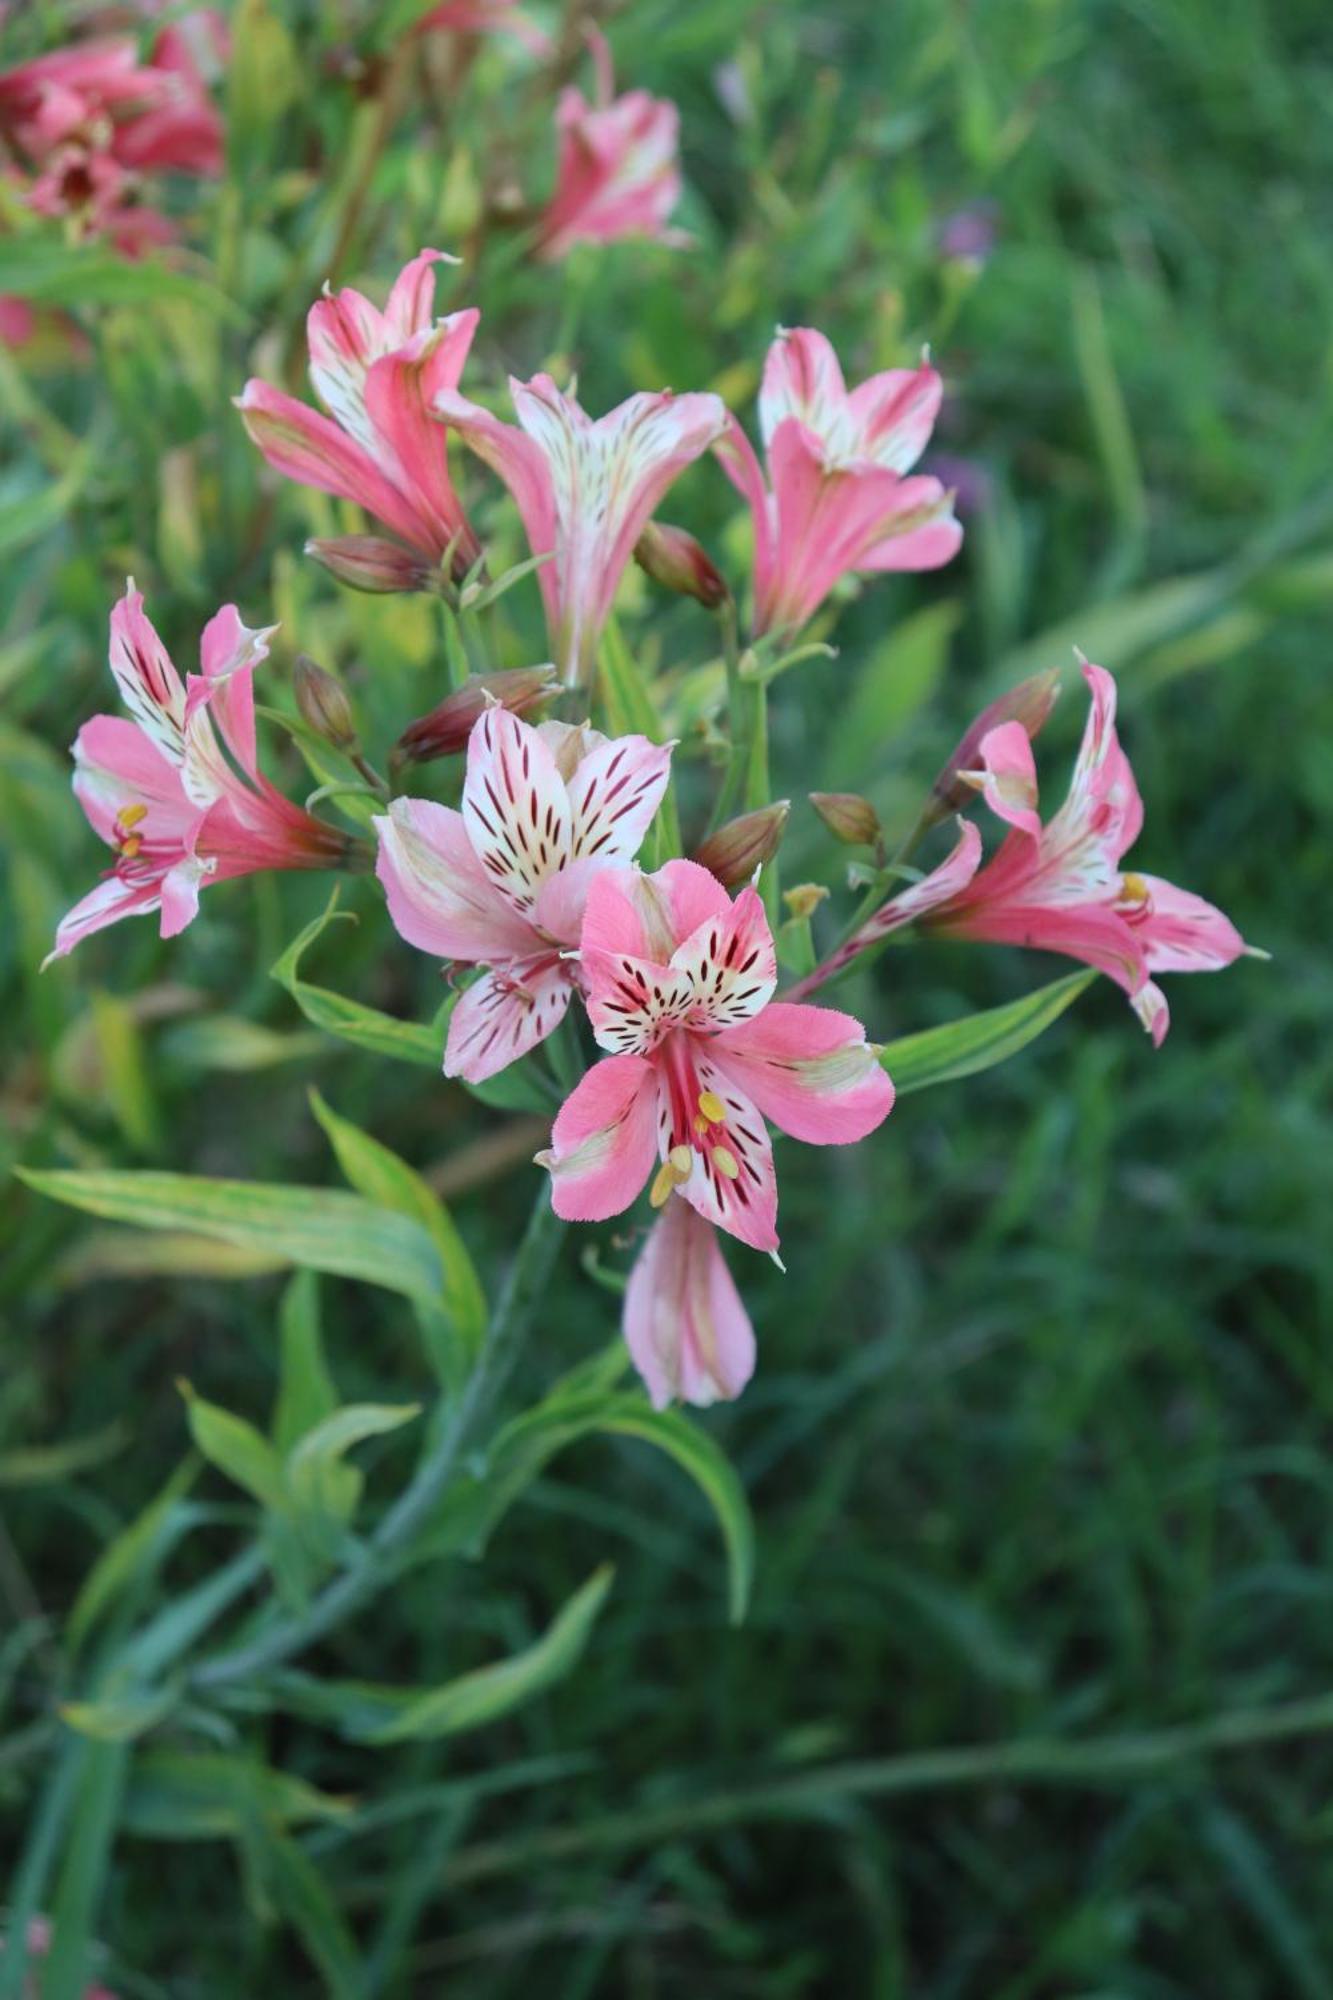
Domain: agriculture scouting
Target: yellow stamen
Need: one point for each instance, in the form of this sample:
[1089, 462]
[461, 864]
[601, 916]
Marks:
[680, 1160]
[131, 815]
[726, 1162]
[701, 1126]
[1133, 888]
[712, 1107]
[664, 1182]
[130, 846]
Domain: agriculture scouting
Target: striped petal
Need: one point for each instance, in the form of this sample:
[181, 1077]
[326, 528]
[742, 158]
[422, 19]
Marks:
[515, 808]
[687, 1331]
[149, 685]
[504, 1014]
[440, 898]
[809, 1070]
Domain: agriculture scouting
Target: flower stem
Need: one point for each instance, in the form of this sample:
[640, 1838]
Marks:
[374, 1565]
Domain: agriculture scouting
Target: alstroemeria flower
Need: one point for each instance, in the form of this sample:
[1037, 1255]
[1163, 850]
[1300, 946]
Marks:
[618, 171]
[155, 115]
[679, 983]
[378, 374]
[585, 489]
[1059, 886]
[836, 501]
[177, 791]
[503, 882]
[688, 1333]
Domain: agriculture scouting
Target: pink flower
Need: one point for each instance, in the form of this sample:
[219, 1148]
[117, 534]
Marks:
[679, 983]
[503, 882]
[836, 502]
[585, 490]
[688, 1333]
[97, 93]
[177, 790]
[378, 374]
[618, 171]
[486, 17]
[1060, 886]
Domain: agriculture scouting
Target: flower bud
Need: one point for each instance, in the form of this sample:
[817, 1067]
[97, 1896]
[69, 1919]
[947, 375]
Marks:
[848, 817]
[446, 729]
[674, 559]
[368, 562]
[323, 703]
[804, 899]
[742, 845]
[1029, 703]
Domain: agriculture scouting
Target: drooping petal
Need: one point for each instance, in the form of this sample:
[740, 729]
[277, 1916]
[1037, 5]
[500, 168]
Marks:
[1149, 1003]
[603, 1143]
[149, 685]
[1179, 931]
[504, 1014]
[810, 1070]
[1007, 777]
[687, 1331]
[515, 808]
[112, 899]
[440, 898]
[306, 446]
[937, 890]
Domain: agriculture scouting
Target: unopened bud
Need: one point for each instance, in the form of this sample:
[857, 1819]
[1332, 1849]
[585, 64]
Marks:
[742, 845]
[446, 729]
[1029, 703]
[848, 817]
[323, 703]
[805, 899]
[368, 562]
[674, 559]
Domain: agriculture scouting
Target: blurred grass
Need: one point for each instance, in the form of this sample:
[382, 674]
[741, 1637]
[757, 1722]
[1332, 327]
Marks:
[1039, 1442]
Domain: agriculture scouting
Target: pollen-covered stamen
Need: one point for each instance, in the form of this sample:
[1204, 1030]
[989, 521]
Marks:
[674, 1171]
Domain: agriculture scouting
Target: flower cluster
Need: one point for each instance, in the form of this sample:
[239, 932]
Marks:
[90, 123]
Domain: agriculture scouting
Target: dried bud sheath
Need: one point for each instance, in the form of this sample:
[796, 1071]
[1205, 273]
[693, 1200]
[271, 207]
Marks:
[368, 562]
[323, 703]
[848, 817]
[742, 845]
[445, 731]
[674, 559]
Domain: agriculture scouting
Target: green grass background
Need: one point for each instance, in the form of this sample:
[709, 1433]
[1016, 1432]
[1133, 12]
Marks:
[1039, 1443]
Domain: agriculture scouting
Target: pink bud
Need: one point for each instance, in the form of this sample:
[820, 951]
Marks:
[674, 559]
[368, 562]
[742, 845]
[848, 817]
[1030, 703]
[445, 731]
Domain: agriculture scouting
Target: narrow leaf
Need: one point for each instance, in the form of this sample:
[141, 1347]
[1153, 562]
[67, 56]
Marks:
[366, 1027]
[979, 1041]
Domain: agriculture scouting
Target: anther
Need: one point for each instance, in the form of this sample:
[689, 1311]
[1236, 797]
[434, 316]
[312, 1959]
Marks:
[130, 816]
[712, 1107]
[726, 1162]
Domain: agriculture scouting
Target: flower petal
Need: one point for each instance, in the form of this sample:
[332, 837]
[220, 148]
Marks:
[803, 379]
[1180, 932]
[732, 1181]
[400, 393]
[440, 899]
[730, 965]
[229, 652]
[894, 414]
[1007, 779]
[687, 1331]
[504, 1014]
[515, 808]
[112, 899]
[149, 684]
[938, 889]
[613, 794]
[603, 1142]
[116, 765]
[303, 445]
[810, 1070]
[411, 303]
[1082, 846]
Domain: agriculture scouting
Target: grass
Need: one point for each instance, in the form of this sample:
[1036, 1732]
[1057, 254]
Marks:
[1038, 1446]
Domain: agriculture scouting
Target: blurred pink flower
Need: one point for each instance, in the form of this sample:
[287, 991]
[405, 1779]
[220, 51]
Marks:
[687, 1331]
[144, 115]
[836, 501]
[679, 983]
[503, 882]
[176, 791]
[618, 170]
[379, 374]
[585, 489]
[1059, 886]
[486, 17]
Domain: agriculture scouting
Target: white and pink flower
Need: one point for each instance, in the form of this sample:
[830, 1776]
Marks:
[585, 489]
[687, 1331]
[503, 883]
[1059, 886]
[679, 983]
[379, 375]
[176, 790]
[618, 170]
[838, 499]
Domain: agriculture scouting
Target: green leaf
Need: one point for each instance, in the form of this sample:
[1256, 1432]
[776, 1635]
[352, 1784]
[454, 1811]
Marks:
[65, 274]
[83, 1877]
[39, 1464]
[238, 1450]
[299, 1892]
[120, 1718]
[177, 1796]
[979, 1041]
[319, 1228]
[896, 681]
[133, 1554]
[317, 1479]
[366, 1027]
[306, 1390]
[364, 1712]
[25, 520]
[390, 1183]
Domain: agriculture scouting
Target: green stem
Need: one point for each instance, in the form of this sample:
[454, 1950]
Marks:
[1105, 1760]
[375, 1565]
